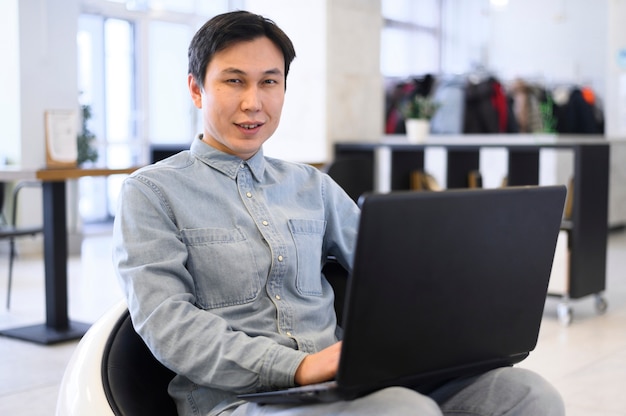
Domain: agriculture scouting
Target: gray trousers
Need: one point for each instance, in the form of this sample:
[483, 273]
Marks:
[504, 391]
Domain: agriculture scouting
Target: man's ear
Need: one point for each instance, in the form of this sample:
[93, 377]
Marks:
[195, 90]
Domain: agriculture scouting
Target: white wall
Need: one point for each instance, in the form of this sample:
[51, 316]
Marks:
[38, 72]
[302, 131]
[355, 104]
[616, 108]
[9, 82]
[616, 70]
[49, 64]
[550, 41]
[334, 88]
[38, 46]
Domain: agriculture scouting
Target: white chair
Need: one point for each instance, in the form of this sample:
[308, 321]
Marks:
[112, 371]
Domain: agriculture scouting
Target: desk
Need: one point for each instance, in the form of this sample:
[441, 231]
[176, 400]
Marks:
[57, 327]
[394, 159]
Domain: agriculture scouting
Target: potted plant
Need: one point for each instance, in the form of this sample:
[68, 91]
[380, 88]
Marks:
[85, 140]
[87, 153]
[418, 112]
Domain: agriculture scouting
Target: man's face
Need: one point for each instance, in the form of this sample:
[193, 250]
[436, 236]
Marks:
[242, 98]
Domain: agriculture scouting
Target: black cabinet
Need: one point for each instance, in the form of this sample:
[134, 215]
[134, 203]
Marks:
[394, 159]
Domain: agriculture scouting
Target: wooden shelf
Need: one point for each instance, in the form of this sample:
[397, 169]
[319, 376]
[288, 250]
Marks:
[394, 159]
[74, 173]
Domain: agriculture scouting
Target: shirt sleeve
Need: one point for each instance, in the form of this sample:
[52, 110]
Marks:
[342, 216]
[150, 257]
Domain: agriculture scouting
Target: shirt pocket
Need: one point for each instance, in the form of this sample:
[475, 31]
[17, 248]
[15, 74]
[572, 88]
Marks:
[308, 236]
[223, 266]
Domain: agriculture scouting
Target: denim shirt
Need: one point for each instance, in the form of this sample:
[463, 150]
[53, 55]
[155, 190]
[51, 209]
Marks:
[220, 260]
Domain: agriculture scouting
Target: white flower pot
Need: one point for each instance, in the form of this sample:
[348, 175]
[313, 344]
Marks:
[417, 130]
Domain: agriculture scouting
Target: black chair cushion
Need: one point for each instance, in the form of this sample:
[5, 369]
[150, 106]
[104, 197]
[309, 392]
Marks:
[354, 174]
[135, 383]
[337, 276]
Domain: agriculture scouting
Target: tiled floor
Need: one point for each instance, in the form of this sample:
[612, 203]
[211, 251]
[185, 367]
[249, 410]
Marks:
[586, 361]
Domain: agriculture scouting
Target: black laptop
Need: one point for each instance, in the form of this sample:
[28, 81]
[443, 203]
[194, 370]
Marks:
[445, 284]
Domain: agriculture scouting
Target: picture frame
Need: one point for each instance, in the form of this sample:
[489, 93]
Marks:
[61, 128]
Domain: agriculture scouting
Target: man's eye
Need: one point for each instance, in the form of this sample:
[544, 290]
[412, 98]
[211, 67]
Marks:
[233, 81]
[270, 81]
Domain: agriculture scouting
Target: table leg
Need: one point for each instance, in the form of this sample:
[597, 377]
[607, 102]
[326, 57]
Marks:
[589, 234]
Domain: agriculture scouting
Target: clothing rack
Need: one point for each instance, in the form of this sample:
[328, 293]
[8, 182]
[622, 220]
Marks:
[479, 102]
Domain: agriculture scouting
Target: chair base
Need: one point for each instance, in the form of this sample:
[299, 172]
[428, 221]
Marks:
[46, 335]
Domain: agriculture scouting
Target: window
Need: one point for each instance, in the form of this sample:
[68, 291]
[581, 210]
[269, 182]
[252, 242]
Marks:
[132, 69]
[169, 106]
[107, 84]
[410, 43]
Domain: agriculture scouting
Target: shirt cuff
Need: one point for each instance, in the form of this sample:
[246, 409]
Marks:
[280, 365]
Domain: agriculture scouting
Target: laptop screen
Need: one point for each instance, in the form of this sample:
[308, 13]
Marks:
[447, 281]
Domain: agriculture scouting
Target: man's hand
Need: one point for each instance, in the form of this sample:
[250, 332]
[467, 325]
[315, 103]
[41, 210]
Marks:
[319, 367]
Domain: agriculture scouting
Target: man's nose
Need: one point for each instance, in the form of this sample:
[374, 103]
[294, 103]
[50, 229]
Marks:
[251, 99]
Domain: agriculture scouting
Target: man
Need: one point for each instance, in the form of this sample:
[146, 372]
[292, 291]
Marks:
[220, 249]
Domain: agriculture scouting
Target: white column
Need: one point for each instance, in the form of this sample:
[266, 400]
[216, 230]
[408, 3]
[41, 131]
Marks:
[615, 94]
[615, 109]
[382, 169]
[9, 82]
[48, 69]
[38, 72]
[334, 89]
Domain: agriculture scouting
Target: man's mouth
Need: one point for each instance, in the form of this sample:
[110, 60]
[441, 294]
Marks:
[250, 126]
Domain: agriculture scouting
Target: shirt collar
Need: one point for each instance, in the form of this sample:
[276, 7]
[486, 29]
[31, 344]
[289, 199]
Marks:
[228, 164]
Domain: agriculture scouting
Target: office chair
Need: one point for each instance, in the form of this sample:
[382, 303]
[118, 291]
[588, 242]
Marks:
[112, 371]
[354, 174]
[10, 230]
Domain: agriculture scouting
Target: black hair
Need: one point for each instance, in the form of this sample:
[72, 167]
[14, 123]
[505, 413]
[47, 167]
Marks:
[226, 29]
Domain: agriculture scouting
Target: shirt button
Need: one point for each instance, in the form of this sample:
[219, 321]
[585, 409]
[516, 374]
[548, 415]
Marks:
[277, 297]
[280, 258]
[249, 194]
[265, 223]
[288, 333]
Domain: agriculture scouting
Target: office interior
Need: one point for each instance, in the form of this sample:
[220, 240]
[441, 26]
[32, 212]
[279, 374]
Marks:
[348, 54]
